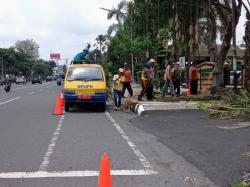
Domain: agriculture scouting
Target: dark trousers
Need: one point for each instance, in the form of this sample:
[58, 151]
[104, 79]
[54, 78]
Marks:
[193, 87]
[144, 88]
[177, 84]
[149, 91]
[117, 97]
[127, 85]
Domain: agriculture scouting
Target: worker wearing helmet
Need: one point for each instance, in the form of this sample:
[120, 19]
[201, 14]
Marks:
[150, 87]
[146, 76]
[152, 60]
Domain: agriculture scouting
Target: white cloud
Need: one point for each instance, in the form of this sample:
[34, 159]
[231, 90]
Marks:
[57, 25]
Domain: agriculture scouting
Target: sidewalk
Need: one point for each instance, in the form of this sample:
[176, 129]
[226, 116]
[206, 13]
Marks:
[157, 103]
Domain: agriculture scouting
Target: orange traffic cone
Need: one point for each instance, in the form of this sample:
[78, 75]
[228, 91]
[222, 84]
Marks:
[61, 99]
[189, 91]
[104, 179]
[58, 107]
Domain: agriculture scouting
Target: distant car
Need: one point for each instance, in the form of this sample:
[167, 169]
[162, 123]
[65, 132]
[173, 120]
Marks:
[37, 79]
[48, 78]
[20, 80]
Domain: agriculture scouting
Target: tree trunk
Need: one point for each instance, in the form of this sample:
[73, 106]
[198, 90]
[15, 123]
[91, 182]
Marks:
[212, 47]
[218, 68]
[246, 73]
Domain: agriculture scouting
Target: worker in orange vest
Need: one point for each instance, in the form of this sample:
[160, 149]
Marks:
[127, 80]
[193, 78]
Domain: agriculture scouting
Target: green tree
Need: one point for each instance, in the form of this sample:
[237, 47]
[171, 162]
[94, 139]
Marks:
[100, 39]
[41, 67]
[28, 47]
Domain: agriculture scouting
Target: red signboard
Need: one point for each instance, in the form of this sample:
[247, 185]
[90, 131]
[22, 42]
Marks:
[54, 55]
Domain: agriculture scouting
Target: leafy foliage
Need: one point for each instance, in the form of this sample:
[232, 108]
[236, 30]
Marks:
[169, 29]
[28, 47]
[231, 106]
[23, 59]
[241, 184]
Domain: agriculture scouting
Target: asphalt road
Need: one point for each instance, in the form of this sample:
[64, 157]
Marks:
[40, 149]
[222, 153]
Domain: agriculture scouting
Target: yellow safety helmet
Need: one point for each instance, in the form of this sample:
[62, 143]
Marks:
[152, 60]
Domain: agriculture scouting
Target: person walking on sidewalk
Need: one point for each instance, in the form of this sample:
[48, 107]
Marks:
[168, 81]
[177, 78]
[117, 88]
[127, 80]
[193, 78]
[144, 80]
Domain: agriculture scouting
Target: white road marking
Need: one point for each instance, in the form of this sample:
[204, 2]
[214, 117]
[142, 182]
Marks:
[137, 152]
[10, 100]
[46, 158]
[63, 174]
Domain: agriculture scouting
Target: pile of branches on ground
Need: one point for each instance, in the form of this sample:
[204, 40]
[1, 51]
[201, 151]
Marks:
[231, 106]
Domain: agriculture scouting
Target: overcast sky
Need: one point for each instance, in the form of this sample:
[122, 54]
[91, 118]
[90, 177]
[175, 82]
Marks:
[61, 26]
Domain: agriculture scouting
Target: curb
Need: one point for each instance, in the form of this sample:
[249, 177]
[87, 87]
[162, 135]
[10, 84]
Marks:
[141, 107]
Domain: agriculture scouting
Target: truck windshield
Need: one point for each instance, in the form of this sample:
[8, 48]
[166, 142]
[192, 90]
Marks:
[85, 74]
